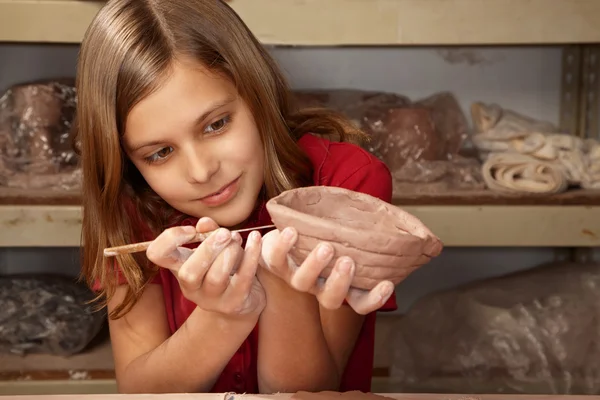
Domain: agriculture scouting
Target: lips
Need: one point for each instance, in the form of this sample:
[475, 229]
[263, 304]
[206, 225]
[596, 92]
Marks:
[223, 195]
[217, 192]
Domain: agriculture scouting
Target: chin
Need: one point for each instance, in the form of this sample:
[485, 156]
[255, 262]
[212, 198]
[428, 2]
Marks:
[231, 220]
[228, 217]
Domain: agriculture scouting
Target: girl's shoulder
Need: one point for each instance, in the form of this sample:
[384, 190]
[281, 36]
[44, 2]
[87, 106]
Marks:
[347, 165]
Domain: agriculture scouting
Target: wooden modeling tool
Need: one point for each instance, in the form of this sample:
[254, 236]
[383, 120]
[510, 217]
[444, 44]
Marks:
[143, 246]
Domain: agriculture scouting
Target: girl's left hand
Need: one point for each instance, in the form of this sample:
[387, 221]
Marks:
[330, 292]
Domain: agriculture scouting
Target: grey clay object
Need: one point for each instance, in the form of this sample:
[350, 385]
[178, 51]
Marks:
[385, 242]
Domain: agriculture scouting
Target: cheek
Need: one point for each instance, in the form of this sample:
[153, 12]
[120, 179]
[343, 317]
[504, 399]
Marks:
[166, 184]
[257, 157]
[169, 189]
[243, 146]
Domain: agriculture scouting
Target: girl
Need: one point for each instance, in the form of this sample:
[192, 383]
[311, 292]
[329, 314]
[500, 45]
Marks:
[184, 125]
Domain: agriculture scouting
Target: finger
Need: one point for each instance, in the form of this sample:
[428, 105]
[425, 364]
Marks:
[242, 280]
[218, 276]
[332, 294]
[192, 272]
[165, 250]
[365, 302]
[275, 248]
[206, 224]
[305, 277]
[372, 275]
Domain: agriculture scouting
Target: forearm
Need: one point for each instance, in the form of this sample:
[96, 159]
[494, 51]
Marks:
[292, 351]
[192, 359]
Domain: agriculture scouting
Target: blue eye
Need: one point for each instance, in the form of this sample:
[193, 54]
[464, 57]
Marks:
[159, 155]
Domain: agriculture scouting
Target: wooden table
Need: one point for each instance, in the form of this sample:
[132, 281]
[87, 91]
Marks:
[285, 396]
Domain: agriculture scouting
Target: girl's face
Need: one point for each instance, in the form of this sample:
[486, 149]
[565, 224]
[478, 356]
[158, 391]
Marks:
[196, 144]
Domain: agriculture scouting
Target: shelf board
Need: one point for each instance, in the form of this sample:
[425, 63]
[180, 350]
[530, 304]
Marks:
[290, 396]
[512, 226]
[40, 226]
[456, 225]
[95, 363]
[347, 22]
[33, 390]
[92, 371]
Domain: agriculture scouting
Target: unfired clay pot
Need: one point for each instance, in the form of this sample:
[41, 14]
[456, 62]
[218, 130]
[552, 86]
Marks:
[384, 241]
[36, 117]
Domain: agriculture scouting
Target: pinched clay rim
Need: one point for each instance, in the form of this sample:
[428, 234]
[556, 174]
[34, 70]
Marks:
[381, 240]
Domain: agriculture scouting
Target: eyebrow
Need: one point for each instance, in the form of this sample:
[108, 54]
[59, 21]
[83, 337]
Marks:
[213, 107]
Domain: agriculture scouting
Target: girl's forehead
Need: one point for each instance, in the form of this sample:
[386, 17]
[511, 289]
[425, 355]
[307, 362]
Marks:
[186, 98]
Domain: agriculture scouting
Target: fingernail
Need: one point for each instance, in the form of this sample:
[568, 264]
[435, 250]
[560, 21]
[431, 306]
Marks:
[252, 239]
[222, 236]
[288, 235]
[345, 266]
[236, 237]
[254, 236]
[385, 292]
[324, 251]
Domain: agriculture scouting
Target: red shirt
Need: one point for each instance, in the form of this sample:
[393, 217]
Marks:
[335, 164]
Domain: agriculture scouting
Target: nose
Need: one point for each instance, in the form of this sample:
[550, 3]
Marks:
[200, 165]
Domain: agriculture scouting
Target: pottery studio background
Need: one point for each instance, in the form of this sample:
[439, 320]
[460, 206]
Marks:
[524, 79]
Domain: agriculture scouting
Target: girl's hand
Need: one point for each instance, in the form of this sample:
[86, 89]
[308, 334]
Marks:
[219, 275]
[330, 292]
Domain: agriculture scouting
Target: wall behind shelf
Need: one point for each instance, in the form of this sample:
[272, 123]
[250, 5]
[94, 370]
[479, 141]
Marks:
[524, 78]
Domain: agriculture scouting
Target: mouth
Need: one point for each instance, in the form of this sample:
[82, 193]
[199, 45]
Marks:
[222, 195]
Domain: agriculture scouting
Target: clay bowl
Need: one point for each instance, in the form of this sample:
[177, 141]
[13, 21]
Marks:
[384, 241]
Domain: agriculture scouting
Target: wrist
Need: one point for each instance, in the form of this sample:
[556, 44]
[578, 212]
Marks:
[224, 321]
[283, 298]
[277, 287]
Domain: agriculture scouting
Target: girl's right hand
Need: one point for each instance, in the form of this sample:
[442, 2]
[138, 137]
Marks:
[219, 275]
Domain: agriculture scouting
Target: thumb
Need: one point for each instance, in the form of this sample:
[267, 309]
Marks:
[206, 224]
[166, 251]
[269, 241]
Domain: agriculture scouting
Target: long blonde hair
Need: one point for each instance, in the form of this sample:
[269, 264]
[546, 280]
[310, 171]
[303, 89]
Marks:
[125, 55]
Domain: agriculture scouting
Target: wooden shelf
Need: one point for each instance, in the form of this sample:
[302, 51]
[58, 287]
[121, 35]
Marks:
[290, 396]
[92, 371]
[94, 363]
[32, 389]
[347, 22]
[456, 225]
[512, 226]
[40, 226]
